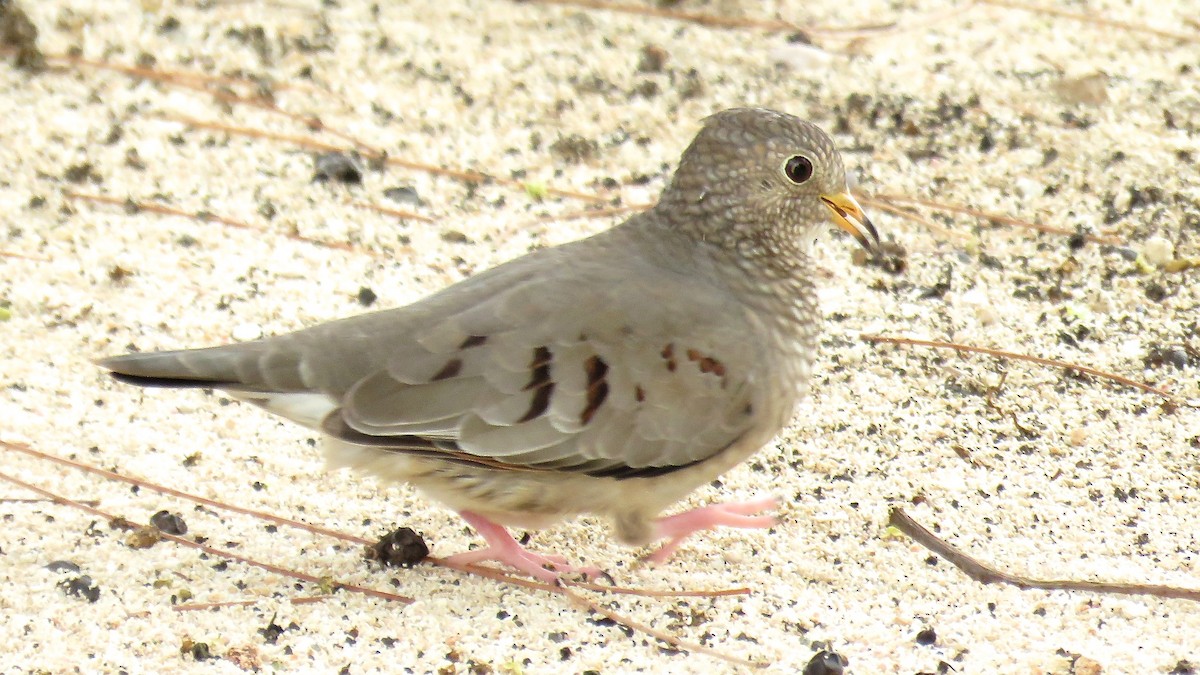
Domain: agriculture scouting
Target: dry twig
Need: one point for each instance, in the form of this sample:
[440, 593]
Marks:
[211, 550]
[23, 256]
[985, 574]
[1054, 363]
[204, 216]
[662, 636]
[475, 570]
[881, 200]
[1093, 19]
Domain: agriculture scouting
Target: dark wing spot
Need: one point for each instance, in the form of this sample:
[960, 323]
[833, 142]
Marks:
[473, 341]
[597, 387]
[452, 368]
[639, 394]
[668, 354]
[707, 364]
[748, 410]
[539, 381]
[539, 368]
[541, 401]
[596, 370]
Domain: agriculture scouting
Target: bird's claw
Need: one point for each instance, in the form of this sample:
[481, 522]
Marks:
[675, 529]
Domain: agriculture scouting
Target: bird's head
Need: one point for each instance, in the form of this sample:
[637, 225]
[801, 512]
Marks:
[761, 180]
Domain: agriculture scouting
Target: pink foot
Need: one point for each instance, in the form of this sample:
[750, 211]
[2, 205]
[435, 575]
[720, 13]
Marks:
[734, 514]
[503, 549]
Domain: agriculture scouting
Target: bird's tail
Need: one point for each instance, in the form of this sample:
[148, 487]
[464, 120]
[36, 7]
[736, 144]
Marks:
[263, 373]
[238, 367]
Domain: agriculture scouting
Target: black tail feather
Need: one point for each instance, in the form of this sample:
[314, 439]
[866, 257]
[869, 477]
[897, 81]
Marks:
[170, 382]
[172, 369]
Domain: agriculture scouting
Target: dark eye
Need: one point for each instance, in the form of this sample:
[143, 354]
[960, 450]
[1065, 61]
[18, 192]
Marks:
[798, 169]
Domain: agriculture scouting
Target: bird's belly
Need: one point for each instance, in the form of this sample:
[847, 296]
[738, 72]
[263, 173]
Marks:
[539, 499]
[526, 499]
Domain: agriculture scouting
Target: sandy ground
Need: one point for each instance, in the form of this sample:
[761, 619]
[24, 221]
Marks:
[1089, 128]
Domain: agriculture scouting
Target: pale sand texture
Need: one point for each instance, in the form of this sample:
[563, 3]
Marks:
[1069, 477]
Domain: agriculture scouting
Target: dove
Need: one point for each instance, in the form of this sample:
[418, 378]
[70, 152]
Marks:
[609, 376]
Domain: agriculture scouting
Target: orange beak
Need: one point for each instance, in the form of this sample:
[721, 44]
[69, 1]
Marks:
[849, 216]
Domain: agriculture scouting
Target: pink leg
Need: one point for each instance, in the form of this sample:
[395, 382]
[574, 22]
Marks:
[734, 514]
[503, 549]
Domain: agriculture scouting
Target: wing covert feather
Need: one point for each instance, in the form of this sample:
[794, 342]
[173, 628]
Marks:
[587, 369]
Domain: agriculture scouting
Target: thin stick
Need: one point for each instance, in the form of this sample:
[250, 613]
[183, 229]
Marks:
[592, 213]
[994, 217]
[1054, 363]
[1091, 18]
[313, 144]
[905, 213]
[893, 28]
[667, 593]
[162, 489]
[691, 17]
[985, 574]
[189, 79]
[472, 569]
[199, 606]
[229, 555]
[769, 25]
[204, 216]
[14, 500]
[200, 82]
[395, 213]
[674, 641]
[250, 132]
[23, 256]
[313, 123]
[476, 570]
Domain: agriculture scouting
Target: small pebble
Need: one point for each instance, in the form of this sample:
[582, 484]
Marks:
[143, 538]
[574, 148]
[81, 587]
[366, 296]
[338, 167]
[801, 57]
[246, 332]
[402, 547]
[170, 523]
[826, 662]
[404, 194]
[1158, 251]
[652, 60]
[200, 651]
[1127, 253]
[1166, 356]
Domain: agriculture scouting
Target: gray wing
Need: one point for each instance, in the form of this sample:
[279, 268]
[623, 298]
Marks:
[600, 364]
[604, 379]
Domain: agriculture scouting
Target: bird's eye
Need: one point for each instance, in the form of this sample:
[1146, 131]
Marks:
[798, 169]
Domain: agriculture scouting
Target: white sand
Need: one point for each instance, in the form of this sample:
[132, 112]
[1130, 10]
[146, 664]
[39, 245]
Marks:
[1103, 485]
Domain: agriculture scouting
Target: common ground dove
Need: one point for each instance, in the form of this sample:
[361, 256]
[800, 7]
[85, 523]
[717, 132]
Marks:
[610, 376]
